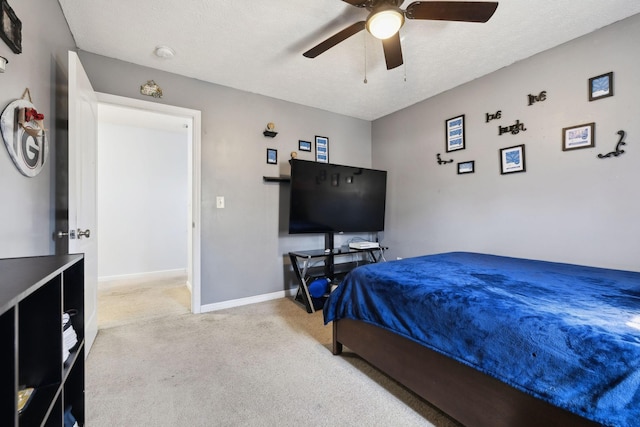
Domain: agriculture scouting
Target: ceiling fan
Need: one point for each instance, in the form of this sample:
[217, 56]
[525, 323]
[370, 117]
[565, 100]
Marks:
[386, 18]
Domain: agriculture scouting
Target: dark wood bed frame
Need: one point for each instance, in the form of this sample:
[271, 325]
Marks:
[465, 394]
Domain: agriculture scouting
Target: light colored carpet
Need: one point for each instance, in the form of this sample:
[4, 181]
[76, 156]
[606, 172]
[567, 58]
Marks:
[266, 364]
[129, 301]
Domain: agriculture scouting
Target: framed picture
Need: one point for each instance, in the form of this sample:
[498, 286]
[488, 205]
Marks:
[466, 167]
[601, 86]
[11, 28]
[272, 156]
[322, 149]
[454, 130]
[512, 159]
[582, 136]
[304, 145]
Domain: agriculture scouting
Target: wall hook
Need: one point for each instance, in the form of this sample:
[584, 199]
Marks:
[618, 151]
[443, 162]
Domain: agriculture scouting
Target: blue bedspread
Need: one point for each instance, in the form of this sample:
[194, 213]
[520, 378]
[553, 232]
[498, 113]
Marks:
[564, 333]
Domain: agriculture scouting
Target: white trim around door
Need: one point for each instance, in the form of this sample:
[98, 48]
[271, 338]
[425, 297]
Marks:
[193, 270]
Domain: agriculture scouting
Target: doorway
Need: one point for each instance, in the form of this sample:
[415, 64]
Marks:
[164, 124]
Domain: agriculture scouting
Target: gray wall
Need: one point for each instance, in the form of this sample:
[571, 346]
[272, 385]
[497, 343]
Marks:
[242, 244]
[26, 213]
[568, 206]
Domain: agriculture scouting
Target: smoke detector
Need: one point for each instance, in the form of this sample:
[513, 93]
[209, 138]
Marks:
[164, 52]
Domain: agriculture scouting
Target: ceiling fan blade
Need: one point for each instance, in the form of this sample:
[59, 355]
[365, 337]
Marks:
[468, 11]
[335, 39]
[392, 51]
[356, 3]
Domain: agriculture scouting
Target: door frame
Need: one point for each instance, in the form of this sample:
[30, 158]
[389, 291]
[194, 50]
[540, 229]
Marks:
[193, 268]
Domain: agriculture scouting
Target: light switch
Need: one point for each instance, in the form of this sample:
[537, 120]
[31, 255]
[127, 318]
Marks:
[220, 202]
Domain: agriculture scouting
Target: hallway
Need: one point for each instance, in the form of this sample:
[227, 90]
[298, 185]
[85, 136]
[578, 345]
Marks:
[122, 302]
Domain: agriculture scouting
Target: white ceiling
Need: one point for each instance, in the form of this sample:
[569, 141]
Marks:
[257, 46]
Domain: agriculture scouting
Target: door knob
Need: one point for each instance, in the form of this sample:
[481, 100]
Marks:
[86, 233]
[63, 234]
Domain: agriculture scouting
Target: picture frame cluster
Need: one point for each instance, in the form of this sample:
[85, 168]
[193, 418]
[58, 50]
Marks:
[512, 159]
[321, 150]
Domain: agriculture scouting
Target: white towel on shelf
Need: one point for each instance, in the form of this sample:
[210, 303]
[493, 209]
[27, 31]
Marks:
[69, 336]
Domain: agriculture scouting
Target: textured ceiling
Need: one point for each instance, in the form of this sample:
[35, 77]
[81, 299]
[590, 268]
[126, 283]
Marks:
[257, 46]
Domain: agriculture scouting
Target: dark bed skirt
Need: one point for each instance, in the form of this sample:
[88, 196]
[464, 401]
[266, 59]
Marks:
[467, 395]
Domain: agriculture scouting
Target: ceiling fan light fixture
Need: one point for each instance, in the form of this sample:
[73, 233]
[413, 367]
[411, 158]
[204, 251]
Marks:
[385, 22]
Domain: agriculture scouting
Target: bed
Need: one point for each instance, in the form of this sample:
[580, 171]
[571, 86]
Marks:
[499, 341]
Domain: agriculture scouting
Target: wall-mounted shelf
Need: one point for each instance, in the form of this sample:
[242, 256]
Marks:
[276, 178]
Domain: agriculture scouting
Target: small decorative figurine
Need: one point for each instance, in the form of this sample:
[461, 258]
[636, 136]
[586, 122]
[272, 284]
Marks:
[270, 131]
[151, 89]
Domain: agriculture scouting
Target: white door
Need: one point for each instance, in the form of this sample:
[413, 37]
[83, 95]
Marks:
[83, 116]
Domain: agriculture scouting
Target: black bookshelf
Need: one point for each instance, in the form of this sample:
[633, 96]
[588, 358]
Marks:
[34, 294]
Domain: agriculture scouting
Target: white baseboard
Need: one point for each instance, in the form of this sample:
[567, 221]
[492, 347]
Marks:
[143, 276]
[246, 301]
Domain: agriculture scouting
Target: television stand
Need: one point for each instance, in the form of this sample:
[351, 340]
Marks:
[306, 270]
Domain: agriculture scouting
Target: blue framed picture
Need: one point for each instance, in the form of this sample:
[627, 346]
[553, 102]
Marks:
[582, 136]
[512, 159]
[466, 167]
[272, 156]
[322, 149]
[304, 145]
[454, 131]
[601, 86]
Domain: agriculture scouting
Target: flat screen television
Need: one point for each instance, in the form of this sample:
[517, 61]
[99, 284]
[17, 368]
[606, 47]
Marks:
[329, 198]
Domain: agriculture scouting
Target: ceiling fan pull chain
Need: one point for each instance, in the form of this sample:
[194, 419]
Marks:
[364, 38]
[405, 72]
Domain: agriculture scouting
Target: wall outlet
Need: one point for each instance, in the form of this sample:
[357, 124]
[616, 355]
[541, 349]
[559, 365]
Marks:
[220, 202]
